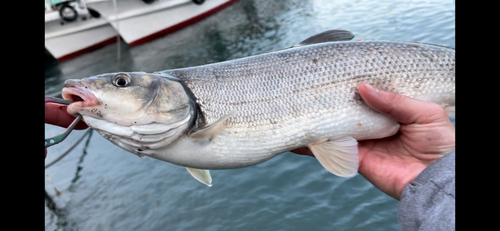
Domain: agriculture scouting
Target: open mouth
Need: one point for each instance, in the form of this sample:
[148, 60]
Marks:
[72, 97]
[74, 94]
[82, 99]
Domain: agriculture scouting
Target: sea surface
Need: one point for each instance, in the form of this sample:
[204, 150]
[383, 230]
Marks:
[98, 186]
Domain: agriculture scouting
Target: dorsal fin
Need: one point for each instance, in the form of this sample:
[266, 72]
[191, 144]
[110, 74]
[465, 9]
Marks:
[327, 36]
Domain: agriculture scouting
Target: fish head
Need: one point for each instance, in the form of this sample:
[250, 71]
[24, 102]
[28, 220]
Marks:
[140, 112]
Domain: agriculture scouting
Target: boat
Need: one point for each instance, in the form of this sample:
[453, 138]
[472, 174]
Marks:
[98, 22]
[139, 21]
[71, 29]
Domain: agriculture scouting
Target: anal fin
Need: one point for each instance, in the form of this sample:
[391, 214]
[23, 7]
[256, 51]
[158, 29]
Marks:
[201, 175]
[339, 156]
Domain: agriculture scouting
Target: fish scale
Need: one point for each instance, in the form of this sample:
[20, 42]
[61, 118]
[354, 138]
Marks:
[313, 89]
[323, 71]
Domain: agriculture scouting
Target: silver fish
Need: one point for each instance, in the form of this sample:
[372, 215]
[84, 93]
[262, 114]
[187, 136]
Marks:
[245, 111]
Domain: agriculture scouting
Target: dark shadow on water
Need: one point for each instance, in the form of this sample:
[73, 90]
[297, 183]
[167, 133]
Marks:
[80, 161]
[60, 213]
[49, 59]
[51, 204]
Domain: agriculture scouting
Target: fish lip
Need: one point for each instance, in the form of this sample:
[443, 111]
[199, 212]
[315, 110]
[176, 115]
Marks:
[81, 97]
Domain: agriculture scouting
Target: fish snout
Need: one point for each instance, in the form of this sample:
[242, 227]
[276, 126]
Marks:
[71, 82]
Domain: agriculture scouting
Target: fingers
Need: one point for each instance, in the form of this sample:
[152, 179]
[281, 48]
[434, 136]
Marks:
[401, 108]
[56, 114]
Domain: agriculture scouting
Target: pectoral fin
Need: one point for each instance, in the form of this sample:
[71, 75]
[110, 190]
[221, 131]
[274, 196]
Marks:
[201, 175]
[339, 156]
[213, 129]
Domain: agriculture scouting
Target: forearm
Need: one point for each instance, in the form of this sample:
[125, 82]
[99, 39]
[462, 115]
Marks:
[428, 202]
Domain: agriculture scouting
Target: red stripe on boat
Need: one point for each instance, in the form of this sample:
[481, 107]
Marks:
[179, 26]
[150, 37]
[87, 49]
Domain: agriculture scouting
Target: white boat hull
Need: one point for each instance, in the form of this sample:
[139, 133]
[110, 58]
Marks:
[138, 22]
[135, 21]
[68, 45]
[65, 39]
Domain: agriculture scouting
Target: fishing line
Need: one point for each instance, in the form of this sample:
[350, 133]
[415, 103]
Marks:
[58, 192]
[71, 148]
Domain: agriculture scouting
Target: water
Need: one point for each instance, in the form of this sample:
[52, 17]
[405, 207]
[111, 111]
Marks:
[106, 188]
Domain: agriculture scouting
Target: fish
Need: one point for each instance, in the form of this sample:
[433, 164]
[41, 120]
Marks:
[245, 111]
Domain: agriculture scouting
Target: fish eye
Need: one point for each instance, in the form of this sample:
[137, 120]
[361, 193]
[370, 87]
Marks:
[121, 80]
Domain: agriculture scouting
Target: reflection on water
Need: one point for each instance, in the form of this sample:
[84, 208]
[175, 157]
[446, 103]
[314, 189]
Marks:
[106, 188]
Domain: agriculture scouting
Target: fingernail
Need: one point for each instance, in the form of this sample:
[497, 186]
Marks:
[370, 88]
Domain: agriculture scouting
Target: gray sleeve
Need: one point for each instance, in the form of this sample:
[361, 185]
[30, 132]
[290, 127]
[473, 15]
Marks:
[428, 202]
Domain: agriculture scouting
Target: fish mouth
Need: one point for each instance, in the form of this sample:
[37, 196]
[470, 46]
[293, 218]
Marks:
[81, 98]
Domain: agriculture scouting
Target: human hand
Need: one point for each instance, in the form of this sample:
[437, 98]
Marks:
[426, 134]
[56, 114]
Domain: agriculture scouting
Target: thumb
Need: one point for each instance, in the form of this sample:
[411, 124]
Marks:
[399, 107]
